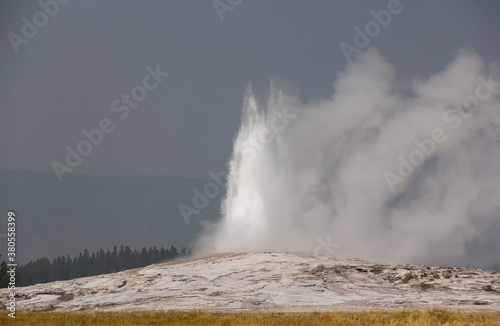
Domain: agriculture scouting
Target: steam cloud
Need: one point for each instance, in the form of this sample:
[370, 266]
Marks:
[347, 167]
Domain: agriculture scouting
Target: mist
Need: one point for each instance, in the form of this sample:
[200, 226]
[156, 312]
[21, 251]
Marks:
[386, 169]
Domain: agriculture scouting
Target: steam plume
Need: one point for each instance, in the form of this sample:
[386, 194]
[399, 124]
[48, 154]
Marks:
[345, 167]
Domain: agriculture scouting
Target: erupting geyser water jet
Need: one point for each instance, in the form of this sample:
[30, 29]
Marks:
[333, 168]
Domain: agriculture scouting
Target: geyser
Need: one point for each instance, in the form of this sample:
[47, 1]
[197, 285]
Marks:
[328, 169]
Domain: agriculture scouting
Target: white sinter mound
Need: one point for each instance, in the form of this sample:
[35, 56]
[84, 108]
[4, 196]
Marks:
[273, 281]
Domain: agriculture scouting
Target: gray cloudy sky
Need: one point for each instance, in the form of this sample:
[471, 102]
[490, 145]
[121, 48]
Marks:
[64, 79]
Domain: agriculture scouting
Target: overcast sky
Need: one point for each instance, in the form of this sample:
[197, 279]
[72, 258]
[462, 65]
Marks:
[65, 77]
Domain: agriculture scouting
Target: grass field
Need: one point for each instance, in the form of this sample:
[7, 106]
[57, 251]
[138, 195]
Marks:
[420, 318]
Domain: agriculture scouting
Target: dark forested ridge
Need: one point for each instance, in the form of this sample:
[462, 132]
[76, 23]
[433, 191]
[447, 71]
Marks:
[43, 270]
[54, 220]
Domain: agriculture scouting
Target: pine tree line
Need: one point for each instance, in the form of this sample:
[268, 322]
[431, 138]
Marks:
[43, 270]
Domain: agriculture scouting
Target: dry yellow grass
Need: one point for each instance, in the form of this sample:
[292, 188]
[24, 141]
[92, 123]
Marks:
[388, 318]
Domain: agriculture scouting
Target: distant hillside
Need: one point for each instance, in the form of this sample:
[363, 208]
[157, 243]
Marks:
[98, 212]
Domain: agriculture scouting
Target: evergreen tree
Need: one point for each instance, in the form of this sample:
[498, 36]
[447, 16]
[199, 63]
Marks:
[85, 264]
[4, 277]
